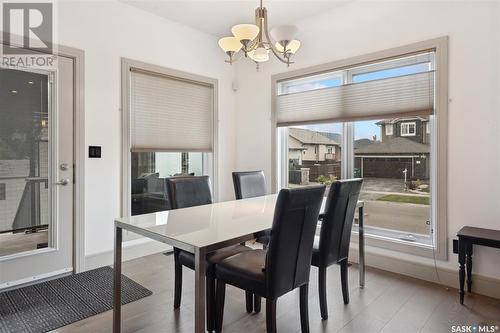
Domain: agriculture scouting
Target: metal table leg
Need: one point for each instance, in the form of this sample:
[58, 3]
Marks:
[199, 290]
[361, 245]
[117, 281]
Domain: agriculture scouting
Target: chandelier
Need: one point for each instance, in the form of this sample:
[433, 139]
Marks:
[255, 41]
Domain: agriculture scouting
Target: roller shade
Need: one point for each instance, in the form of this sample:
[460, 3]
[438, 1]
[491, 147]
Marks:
[170, 114]
[408, 94]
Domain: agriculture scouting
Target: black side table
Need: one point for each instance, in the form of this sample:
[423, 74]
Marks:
[467, 237]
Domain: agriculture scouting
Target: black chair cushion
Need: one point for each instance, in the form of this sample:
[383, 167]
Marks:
[187, 258]
[244, 270]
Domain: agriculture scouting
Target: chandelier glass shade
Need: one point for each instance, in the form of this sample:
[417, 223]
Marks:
[256, 42]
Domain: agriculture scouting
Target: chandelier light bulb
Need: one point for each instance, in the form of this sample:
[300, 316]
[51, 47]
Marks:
[261, 54]
[230, 44]
[246, 32]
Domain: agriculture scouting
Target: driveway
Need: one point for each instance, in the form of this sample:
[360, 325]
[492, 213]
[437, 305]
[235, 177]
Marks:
[384, 185]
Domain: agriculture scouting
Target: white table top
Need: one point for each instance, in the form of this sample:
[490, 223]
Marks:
[206, 226]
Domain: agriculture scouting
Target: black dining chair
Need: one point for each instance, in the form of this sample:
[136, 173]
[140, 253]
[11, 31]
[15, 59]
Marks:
[285, 265]
[186, 192]
[250, 184]
[332, 244]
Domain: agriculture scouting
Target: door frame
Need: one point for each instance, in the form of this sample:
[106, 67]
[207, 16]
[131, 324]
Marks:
[78, 57]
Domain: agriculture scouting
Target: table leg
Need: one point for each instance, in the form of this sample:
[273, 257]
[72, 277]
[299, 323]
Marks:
[199, 290]
[461, 271]
[117, 281]
[468, 263]
[361, 233]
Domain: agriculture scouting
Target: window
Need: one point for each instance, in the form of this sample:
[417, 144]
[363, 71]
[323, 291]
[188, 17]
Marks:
[373, 101]
[397, 182]
[171, 117]
[388, 129]
[149, 171]
[392, 72]
[304, 166]
[408, 129]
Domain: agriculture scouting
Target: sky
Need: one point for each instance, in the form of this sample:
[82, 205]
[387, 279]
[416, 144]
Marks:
[362, 129]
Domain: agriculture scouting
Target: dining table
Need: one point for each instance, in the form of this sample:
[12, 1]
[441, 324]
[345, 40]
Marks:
[204, 229]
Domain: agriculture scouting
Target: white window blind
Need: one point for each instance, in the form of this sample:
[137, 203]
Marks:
[170, 114]
[412, 93]
[393, 87]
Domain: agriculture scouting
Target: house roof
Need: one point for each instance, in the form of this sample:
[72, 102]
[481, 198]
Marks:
[362, 142]
[397, 145]
[306, 136]
[295, 144]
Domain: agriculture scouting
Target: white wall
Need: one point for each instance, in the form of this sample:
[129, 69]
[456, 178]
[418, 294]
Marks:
[474, 118]
[107, 31]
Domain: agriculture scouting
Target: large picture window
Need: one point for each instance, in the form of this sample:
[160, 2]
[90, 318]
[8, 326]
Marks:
[379, 116]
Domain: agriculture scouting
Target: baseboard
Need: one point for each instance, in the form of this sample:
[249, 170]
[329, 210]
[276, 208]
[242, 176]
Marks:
[131, 250]
[448, 277]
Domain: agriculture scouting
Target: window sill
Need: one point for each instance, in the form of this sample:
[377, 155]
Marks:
[393, 240]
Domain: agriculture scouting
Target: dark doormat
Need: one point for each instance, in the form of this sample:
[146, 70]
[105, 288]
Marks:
[49, 305]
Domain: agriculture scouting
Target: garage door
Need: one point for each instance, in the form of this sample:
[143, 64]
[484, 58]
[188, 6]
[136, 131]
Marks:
[387, 167]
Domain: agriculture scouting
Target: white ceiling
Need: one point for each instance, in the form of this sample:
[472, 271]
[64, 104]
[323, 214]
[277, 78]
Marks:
[217, 17]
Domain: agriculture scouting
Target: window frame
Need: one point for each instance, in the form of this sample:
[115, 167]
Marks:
[407, 125]
[387, 126]
[439, 167]
[210, 159]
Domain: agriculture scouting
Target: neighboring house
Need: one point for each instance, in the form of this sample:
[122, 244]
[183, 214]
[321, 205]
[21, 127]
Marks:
[404, 146]
[416, 129]
[310, 146]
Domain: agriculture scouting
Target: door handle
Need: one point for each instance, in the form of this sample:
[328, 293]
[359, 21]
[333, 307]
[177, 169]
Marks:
[63, 182]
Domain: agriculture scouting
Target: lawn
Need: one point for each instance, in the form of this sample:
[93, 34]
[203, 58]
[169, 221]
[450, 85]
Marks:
[419, 200]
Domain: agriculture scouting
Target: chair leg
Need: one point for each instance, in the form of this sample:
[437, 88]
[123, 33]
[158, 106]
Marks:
[304, 308]
[249, 299]
[322, 292]
[210, 296]
[178, 280]
[220, 295]
[270, 315]
[256, 303]
[344, 279]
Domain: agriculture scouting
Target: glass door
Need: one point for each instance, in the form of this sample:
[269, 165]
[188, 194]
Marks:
[36, 173]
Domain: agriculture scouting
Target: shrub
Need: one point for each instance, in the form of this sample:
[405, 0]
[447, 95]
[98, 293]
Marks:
[321, 179]
[326, 181]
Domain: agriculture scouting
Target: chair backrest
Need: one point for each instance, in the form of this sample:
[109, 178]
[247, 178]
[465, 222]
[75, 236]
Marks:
[189, 191]
[249, 184]
[289, 253]
[335, 234]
